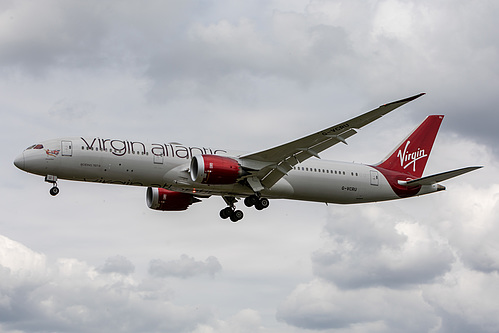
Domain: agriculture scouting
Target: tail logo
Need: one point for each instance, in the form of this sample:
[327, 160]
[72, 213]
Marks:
[409, 158]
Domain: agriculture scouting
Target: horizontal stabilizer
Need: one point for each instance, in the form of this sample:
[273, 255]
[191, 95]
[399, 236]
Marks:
[439, 177]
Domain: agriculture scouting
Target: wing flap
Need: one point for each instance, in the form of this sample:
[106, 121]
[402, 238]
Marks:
[439, 177]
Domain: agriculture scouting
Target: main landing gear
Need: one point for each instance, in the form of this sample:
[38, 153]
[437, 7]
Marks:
[234, 214]
[259, 203]
[53, 180]
[231, 211]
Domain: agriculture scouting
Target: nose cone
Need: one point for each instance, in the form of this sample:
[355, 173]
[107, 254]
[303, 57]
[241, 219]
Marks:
[19, 161]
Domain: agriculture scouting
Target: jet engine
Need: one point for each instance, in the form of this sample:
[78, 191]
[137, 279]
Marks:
[214, 169]
[163, 199]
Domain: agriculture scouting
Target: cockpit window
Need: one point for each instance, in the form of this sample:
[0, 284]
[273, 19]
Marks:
[37, 146]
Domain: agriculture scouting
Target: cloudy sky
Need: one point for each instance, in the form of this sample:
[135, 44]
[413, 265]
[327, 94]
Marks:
[248, 75]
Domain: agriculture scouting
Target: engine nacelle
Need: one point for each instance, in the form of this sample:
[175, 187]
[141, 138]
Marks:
[214, 169]
[163, 199]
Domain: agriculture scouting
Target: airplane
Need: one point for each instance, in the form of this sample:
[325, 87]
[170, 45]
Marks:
[177, 175]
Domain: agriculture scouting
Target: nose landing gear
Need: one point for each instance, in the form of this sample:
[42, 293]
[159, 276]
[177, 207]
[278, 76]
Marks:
[53, 180]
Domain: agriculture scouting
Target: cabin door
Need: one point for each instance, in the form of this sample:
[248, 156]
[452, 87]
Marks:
[158, 159]
[374, 178]
[67, 148]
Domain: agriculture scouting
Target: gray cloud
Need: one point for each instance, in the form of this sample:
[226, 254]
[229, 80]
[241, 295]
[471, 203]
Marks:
[58, 34]
[71, 110]
[249, 75]
[471, 226]
[464, 301]
[385, 49]
[185, 267]
[73, 296]
[319, 305]
[117, 264]
[371, 248]
[434, 260]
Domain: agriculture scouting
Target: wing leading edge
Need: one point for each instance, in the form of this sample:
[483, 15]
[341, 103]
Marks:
[280, 159]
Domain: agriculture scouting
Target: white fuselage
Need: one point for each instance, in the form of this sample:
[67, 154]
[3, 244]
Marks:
[167, 166]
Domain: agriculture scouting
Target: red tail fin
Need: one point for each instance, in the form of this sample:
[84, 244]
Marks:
[411, 155]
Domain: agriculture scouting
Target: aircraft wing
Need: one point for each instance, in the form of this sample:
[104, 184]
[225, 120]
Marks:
[439, 177]
[281, 159]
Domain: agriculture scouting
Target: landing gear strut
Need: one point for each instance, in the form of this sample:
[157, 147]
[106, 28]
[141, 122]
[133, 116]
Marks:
[53, 180]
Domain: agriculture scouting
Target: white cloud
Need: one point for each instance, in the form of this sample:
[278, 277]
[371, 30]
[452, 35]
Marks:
[371, 248]
[434, 256]
[19, 259]
[470, 224]
[320, 305]
[72, 296]
[465, 300]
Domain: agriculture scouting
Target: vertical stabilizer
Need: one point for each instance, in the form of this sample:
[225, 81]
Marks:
[411, 155]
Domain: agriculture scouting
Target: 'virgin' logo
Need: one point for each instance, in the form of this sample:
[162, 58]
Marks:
[410, 158]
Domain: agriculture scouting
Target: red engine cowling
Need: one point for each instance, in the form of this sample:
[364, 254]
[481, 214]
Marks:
[163, 199]
[214, 169]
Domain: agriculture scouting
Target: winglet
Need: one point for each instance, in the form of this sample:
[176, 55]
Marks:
[406, 100]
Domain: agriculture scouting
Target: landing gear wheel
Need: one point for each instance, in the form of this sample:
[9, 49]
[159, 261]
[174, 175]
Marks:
[226, 213]
[54, 191]
[262, 204]
[236, 215]
[251, 200]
